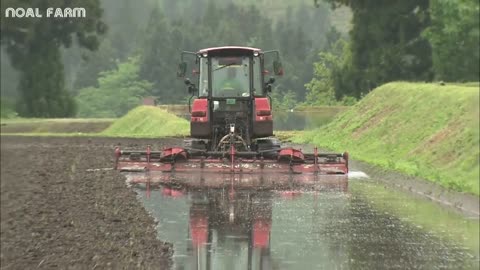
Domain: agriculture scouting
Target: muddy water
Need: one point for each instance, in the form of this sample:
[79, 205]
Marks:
[360, 226]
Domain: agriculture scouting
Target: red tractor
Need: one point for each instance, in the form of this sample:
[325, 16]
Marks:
[231, 125]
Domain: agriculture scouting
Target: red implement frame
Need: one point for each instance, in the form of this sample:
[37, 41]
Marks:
[179, 160]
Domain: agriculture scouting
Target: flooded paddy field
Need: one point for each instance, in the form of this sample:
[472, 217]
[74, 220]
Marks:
[63, 206]
[323, 225]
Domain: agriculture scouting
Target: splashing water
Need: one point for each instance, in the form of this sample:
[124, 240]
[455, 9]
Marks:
[357, 175]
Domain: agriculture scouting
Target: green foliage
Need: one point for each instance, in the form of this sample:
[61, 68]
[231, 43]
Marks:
[298, 34]
[93, 64]
[148, 122]
[9, 76]
[283, 102]
[321, 90]
[158, 61]
[119, 91]
[426, 130]
[455, 37]
[33, 45]
[42, 88]
[385, 45]
[7, 108]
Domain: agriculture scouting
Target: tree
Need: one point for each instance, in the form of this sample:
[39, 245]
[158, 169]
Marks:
[9, 77]
[119, 90]
[92, 64]
[386, 45]
[33, 45]
[454, 36]
[160, 56]
[321, 89]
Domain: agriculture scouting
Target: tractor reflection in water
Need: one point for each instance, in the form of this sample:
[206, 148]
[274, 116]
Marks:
[230, 221]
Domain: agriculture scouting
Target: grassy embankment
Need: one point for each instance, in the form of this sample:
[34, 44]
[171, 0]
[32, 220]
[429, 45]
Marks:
[148, 122]
[143, 121]
[425, 130]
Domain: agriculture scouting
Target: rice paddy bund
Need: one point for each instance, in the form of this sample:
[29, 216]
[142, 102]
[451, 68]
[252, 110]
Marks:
[425, 130]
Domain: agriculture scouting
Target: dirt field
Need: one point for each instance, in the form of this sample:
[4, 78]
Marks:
[56, 214]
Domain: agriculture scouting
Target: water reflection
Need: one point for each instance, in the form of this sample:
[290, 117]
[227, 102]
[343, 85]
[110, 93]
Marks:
[305, 226]
[303, 120]
[230, 230]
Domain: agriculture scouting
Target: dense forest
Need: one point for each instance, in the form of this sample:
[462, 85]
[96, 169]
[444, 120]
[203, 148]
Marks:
[333, 51]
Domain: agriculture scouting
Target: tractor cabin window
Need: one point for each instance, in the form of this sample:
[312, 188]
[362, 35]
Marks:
[230, 77]
[203, 81]
[257, 77]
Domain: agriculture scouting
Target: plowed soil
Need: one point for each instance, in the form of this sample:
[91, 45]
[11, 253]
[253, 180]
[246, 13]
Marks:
[56, 212]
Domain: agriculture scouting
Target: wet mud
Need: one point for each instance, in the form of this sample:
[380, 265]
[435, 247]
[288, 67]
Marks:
[63, 207]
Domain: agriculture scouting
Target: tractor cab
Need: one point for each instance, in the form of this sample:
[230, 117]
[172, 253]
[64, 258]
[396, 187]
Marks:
[231, 93]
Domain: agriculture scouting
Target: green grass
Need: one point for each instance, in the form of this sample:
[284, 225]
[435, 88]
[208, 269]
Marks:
[148, 122]
[425, 130]
[7, 108]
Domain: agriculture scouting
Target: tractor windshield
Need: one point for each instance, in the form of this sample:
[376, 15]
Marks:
[230, 76]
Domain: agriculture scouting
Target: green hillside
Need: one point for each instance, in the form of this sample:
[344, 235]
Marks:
[425, 130]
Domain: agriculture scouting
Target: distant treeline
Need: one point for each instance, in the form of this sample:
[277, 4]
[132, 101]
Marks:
[144, 40]
[103, 66]
[409, 40]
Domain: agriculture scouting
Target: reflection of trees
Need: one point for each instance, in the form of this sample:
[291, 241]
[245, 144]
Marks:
[289, 121]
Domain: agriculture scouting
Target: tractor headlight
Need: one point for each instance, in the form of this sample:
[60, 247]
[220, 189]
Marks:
[255, 53]
[204, 54]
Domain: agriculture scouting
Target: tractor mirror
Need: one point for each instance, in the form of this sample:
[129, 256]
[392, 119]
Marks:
[268, 88]
[187, 81]
[271, 80]
[182, 69]
[277, 68]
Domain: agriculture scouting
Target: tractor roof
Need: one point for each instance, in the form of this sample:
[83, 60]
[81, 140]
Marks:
[229, 50]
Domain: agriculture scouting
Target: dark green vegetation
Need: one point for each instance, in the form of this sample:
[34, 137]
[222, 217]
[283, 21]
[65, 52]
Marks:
[118, 91]
[298, 31]
[401, 40]
[154, 32]
[34, 47]
[425, 130]
[412, 40]
[7, 108]
[455, 36]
